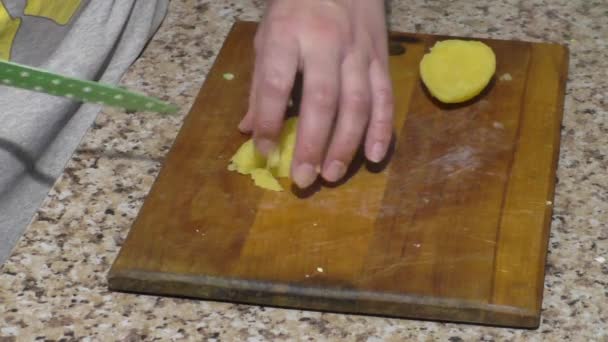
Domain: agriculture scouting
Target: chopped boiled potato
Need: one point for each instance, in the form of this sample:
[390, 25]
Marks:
[265, 171]
[287, 145]
[264, 179]
[274, 159]
[457, 70]
[246, 159]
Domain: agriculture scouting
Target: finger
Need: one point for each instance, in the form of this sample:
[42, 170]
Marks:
[246, 124]
[380, 128]
[277, 71]
[318, 110]
[354, 112]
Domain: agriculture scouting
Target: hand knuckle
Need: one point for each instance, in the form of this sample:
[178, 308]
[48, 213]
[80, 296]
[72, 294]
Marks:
[326, 29]
[385, 97]
[360, 116]
[382, 124]
[275, 83]
[323, 96]
[352, 138]
[358, 98]
[266, 126]
[330, 31]
[307, 149]
[280, 23]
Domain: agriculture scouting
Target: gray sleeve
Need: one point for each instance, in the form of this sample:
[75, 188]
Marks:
[39, 132]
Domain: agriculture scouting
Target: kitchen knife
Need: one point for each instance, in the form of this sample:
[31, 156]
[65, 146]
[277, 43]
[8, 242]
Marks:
[34, 79]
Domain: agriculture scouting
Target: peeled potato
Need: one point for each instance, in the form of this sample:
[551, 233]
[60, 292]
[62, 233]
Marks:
[457, 70]
[265, 171]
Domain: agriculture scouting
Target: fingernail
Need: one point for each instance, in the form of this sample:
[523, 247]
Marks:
[242, 126]
[335, 171]
[265, 146]
[377, 152]
[304, 175]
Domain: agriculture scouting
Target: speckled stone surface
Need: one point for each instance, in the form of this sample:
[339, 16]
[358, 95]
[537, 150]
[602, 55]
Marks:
[54, 284]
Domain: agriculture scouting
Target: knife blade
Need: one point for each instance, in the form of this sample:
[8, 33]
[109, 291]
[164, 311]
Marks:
[25, 77]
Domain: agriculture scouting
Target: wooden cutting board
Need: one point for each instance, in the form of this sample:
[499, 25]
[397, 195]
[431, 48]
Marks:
[453, 227]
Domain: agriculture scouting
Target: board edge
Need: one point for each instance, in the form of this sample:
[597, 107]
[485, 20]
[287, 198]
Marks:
[326, 299]
[548, 224]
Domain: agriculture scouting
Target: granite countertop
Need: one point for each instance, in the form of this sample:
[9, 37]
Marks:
[54, 284]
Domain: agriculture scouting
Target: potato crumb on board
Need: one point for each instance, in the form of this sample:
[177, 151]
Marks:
[320, 269]
[506, 77]
[498, 125]
[228, 76]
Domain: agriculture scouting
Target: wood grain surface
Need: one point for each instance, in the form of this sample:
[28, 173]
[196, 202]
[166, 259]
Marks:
[453, 226]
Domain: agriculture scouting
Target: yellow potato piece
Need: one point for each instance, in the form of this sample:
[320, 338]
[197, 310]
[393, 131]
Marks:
[287, 144]
[457, 70]
[264, 172]
[246, 159]
[264, 179]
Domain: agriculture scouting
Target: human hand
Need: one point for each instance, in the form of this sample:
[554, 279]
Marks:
[341, 48]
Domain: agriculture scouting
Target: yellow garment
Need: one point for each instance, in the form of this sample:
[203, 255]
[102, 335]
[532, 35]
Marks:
[60, 11]
[8, 30]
